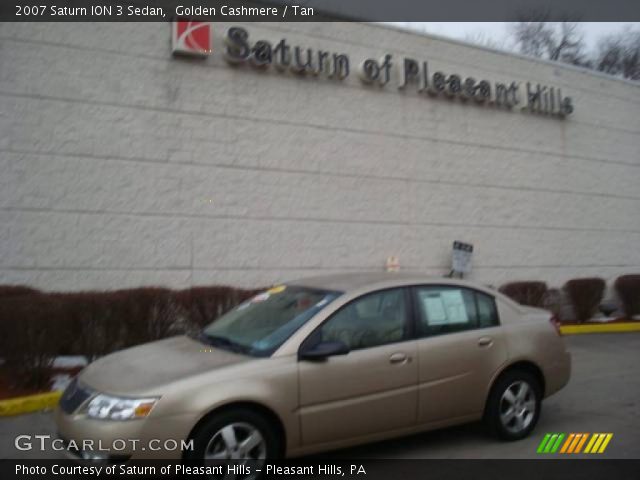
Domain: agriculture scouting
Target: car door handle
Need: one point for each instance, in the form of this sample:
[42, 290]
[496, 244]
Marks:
[399, 357]
[485, 341]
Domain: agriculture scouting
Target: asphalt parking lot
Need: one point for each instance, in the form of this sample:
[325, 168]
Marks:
[602, 396]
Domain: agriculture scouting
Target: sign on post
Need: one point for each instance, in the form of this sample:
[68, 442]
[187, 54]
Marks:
[461, 258]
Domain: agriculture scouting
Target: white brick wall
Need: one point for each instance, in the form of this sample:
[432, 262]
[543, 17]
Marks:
[122, 166]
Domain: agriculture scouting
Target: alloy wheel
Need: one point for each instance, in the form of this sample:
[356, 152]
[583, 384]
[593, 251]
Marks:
[240, 442]
[517, 407]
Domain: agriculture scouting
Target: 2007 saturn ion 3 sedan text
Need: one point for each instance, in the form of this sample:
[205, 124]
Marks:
[324, 363]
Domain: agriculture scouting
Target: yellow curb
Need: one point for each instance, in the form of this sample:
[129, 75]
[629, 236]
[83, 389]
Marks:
[29, 403]
[600, 328]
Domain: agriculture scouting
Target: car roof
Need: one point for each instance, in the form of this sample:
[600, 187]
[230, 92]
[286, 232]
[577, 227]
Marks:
[347, 282]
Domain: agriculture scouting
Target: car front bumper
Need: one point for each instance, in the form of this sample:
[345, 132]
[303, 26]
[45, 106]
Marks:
[163, 438]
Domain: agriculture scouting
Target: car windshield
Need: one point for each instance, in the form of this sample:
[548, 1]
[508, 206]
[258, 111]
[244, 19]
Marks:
[261, 324]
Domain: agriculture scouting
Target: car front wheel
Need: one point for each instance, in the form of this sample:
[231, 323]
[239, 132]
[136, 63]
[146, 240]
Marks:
[240, 436]
[513, 406]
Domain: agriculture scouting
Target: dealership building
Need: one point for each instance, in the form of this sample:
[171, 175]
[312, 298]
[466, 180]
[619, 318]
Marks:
[303, 148]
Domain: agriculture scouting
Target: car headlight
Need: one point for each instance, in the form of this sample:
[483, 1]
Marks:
[106, 407]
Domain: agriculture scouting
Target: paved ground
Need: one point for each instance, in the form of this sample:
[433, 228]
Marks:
[603, 396]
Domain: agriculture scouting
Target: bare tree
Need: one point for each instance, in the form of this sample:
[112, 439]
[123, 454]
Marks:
[534, 34]
[619, 54]
[532, 37]
[482, 39]
[609, 56]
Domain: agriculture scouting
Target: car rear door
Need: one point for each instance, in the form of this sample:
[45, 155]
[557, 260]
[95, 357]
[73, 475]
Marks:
[460, 347]
[371, 389]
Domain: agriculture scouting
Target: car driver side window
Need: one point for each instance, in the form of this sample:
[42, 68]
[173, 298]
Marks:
[371, 320]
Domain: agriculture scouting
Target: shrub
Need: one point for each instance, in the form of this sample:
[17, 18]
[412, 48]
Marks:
[98, 322]
[628, 289]
[16, 291]
[36, 327]
[31, 337]
[526, 293]
[149, 313]
[585, 295]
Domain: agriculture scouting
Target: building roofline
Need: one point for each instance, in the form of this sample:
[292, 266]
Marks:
[549, 63]
[340, 17]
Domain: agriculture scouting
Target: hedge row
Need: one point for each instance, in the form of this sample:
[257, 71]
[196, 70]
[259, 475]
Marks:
[526, 293]
[584, 295]
[35, 327]
[628, 289]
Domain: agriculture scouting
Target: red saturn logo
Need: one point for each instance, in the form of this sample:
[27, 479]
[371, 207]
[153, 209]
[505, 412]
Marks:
[191, 38]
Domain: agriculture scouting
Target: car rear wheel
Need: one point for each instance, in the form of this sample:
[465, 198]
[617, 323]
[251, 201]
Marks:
[237, 436]
[513, 407]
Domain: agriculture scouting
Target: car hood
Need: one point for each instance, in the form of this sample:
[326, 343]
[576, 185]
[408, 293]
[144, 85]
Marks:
[153, 365]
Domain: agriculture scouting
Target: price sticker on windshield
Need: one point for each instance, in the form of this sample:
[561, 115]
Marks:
[278, 289]
[261, 297]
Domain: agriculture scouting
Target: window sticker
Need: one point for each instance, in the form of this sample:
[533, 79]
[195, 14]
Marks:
[276, 289]
[434, 309]
[454, 303]
[261, 297]
[445, 307]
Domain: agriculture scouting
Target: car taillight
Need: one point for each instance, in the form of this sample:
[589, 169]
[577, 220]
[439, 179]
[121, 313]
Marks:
[555, 321]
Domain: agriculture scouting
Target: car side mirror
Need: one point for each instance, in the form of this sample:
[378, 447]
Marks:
[323, 350]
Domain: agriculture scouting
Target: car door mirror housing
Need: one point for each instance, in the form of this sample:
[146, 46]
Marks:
[323, 350]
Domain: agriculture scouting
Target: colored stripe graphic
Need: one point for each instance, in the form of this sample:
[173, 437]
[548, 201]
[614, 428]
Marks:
[568, 442]
[594, 437]
[543, 443]
[596, 446]
[606, 442]
[574, 443]
[550, 443]
[557, 444]
[598, 442]
[581, 443]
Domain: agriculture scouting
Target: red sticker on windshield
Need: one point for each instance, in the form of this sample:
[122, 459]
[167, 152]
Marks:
[260, 297]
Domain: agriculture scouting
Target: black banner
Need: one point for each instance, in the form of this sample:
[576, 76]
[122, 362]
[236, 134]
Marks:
[315, 10]
[318, 467]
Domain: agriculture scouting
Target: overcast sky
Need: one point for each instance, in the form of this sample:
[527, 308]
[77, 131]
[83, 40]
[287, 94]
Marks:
[498, 31]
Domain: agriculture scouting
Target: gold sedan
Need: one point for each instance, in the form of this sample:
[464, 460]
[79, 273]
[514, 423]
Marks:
[319, 364]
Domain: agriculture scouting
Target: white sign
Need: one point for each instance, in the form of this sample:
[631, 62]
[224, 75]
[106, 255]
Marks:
[461, 257]
[445, 307]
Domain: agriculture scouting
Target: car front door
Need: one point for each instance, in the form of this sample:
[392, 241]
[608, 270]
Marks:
[371, 389]
[460, 347]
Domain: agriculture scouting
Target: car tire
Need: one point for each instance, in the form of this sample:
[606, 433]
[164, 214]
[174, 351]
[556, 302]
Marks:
[235, 434]
[514, 405]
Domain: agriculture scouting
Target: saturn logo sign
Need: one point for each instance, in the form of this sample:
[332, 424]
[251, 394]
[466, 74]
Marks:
[191, 38]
